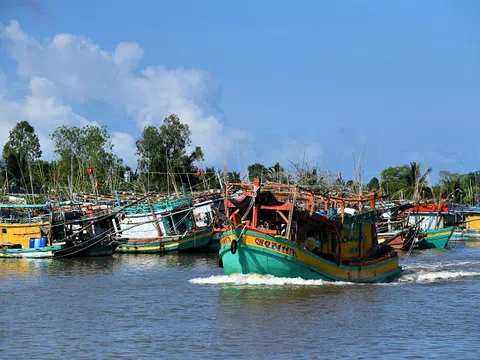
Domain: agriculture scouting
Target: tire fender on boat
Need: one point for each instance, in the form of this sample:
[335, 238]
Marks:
[233, 246]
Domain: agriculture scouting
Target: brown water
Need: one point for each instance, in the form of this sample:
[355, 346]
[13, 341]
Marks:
[182, 306]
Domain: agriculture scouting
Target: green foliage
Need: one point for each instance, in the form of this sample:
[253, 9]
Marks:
[373, 184]
[212, 178]
[233, 177]
[43, 171]
[415, 180]
[408, 182]
[2, 171]
[276, 173]
[393, 180]
[19, 153]
[460, 188]
[80, 148]
[257, 171]
[162, 150]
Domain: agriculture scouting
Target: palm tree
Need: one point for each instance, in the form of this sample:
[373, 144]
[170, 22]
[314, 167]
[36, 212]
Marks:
[275, 173]
[415, 181]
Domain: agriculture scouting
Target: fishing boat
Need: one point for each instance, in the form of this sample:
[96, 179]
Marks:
[434, 239]
[189, 240]
[286, 233]
[162, 227]
[57, 234]
[204, 212]
[436, 222]
[469, 227]
[393, 227]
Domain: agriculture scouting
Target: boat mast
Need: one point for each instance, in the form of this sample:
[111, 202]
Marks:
[155, 218]
[257, 183]
[290, 214]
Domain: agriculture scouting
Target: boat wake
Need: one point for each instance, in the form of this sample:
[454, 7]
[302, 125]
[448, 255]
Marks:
[407, 277]
[442, 265]
[258, 279]
[440, 271]
[435, 276]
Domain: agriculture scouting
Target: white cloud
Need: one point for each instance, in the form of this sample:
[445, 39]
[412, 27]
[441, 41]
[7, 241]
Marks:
[73, 69]
[41, 108]
[124, 146]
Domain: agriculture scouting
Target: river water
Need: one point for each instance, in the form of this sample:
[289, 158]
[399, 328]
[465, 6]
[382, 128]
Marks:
[181, 306]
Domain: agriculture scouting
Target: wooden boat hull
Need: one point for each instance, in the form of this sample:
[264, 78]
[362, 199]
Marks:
[37, 253]
[21, 234]
[214, 244]
[188, 242]
[88, 248]
[265, 254]
[396, 244]
[436, 239]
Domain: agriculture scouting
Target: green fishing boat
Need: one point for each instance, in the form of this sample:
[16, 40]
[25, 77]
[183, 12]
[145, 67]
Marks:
[161, 227]
[434, 239]
[194, 239]
[264, 235]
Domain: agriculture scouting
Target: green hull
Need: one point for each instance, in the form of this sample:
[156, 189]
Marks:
[98, 250]
[214, 243]
[86, 249]
[436, 239]
[250, 259]
[36, 253]
[189, 242]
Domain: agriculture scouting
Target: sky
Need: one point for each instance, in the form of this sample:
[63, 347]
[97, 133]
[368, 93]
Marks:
[325, 82]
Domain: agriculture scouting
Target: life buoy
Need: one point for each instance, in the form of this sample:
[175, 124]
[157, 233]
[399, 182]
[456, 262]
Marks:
[233, 246]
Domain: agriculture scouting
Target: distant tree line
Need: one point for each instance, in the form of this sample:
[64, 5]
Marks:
[85, 162]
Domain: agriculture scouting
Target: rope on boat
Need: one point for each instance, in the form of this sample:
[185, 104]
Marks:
[241, 233]
[415, 234]
[250, 206]
[102, 237]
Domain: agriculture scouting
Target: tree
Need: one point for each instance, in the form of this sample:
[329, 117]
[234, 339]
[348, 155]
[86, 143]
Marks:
[452, 185]
[82, 148]
[415, 181]
[275, 173]
[257, 171]
[2, 171]
[406, 181]
[213, 181]
[233, 177]
[393, 180]
[373, 184]
[470, 188]
[22, 149]
[163, 151]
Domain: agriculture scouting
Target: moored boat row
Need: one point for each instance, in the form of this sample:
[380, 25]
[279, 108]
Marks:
[276, 229]
[176, 225]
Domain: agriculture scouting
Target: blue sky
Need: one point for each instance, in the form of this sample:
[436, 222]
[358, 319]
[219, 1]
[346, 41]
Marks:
[267, 81]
